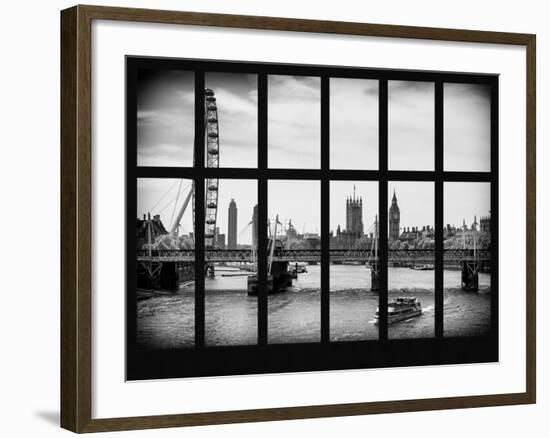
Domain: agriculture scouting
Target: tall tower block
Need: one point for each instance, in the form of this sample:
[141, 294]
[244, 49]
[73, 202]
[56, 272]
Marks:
[232, 225]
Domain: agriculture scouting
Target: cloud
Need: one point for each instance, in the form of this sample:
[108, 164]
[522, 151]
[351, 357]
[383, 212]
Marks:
[236, 98]
[294, 111]
[165, 118]
[411, 125]
[467, 127]
[354, 123]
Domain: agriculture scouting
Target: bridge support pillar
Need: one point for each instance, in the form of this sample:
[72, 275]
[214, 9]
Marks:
[374, 278]
[470, 276]
[210, 271]
[158, 276]
[282, 277]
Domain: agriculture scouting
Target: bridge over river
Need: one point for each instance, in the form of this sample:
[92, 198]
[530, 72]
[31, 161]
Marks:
[417, 256]
[164, 264]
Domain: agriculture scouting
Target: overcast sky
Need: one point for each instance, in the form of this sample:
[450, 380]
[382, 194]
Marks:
[294, 121]
[463, 200]
[353, 123]
[467, 127]
[299, 201]
[411, 125]
[237, 102]
[415, 200]
[165, 118]
[159, 196]
[165, 122]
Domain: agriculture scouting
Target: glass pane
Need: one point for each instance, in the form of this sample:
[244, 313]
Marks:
[230, 263]
[353, 260]
[353, 124]
[411, 280]
[411, 125]
[294, 122]
[467, 277]
[166, 264]
[232, 115]
[467, 127]
[165, 117]
[294, 302]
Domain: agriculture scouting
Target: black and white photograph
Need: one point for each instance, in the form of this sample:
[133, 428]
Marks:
[273, 217]
[289, 212]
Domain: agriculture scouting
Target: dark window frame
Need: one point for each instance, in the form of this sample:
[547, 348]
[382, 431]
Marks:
[327, 355]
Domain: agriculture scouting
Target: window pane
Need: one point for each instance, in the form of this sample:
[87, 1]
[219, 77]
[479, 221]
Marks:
[165, 293]
[294, 304]
[411, 125]
[353, 260]
[411, 259]
[294, 122]
[353, 123]
[230, 244]
[467, 240]
[467, 127]
[232, 114]
[165, 117]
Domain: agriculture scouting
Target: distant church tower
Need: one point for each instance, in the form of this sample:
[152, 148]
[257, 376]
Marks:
[232, 225]
[354, 215]
[394, 219]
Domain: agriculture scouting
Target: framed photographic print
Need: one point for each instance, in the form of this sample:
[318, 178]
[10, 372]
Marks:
[320, 221]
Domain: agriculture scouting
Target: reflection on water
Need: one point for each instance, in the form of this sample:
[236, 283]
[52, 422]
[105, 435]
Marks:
[467, 313]
[231, 317]
[167, 321]
[294, 316]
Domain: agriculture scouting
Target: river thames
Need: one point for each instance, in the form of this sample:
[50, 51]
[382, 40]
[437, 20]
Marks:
[166, 320]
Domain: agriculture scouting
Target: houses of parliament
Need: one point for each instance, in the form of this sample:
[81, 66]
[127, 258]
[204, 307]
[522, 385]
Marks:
[354, 231]
[354, 222]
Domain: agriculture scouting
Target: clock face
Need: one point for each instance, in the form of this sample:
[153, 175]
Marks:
[395, 216]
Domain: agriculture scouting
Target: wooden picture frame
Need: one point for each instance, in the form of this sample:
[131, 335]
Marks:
[76, 218]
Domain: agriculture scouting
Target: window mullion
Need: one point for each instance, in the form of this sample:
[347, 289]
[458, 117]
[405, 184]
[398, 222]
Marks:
[262, 210]
[438, 219]
[383, 210]
[325, 210]
[199, 210]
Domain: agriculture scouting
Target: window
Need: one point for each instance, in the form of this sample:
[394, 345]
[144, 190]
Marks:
[301, 218]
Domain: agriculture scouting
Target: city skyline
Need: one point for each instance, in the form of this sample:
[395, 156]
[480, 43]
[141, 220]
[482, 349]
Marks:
[157, 196]
[152, 190]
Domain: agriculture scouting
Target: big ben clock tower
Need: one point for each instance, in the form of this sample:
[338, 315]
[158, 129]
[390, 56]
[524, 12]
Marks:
[394, 219]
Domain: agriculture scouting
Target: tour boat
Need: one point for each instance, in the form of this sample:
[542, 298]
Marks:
[402, 308]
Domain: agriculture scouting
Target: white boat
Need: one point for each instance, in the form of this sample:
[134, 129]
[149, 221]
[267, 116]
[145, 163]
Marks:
[402, 308]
